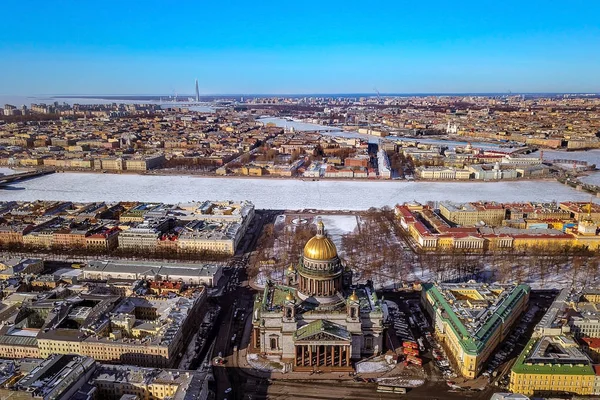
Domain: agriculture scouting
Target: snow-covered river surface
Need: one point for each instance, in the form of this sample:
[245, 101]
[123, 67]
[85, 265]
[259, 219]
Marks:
[273, 193]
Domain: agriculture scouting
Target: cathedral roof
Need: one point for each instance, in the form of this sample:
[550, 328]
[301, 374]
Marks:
[322, 325]
[320, 247]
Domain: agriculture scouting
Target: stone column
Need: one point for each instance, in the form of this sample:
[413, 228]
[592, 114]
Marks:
[296, 355]
[318, 355]
[347, 356]
[332, 363]
[310, 355]
[302, 348]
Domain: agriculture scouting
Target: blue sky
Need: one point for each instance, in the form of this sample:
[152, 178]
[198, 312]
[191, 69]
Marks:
[160, 47]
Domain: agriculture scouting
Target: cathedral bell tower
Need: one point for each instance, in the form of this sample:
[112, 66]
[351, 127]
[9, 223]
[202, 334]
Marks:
[352, 307]
[289, 314]
[290, 276]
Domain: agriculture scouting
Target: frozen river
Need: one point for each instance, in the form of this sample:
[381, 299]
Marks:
[277, 193]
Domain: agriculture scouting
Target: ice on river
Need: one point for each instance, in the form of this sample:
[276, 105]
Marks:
[273, 193]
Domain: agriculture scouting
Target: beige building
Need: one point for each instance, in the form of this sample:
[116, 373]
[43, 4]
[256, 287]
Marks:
[442, 173]
[470, 214]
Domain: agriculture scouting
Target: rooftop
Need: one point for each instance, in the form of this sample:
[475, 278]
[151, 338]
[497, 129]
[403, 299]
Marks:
[553, 355]
[475, 310]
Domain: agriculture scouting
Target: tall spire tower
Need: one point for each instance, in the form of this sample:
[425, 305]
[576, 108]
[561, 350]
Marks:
[197, 92]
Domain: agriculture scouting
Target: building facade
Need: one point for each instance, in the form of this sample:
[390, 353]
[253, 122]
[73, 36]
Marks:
[315, 320]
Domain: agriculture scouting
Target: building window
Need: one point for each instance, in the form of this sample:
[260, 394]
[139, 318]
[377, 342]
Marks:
[368, 342]
[273, 342]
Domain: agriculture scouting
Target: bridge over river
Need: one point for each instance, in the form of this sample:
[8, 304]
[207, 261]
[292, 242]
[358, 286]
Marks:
[4, 179]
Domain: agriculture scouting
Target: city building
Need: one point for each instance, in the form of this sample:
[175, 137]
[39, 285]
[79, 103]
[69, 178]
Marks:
[552, 365]
[524, 227]
[316, 319]
[470, 214]
[75, 377]
[58, 377]
[187, 273]
[144, 329]
[471, 319]
[119, 381]
[559, 358]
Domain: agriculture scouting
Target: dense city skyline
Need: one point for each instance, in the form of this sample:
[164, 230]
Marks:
[313, 48]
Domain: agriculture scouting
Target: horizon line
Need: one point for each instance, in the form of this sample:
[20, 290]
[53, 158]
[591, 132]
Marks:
[309, 94]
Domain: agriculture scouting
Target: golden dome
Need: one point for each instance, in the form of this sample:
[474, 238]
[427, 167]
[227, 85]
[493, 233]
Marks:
[320, 247]
[291, 268]
[353, 296]
[289, 296]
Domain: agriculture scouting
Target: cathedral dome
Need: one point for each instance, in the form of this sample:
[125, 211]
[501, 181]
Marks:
[320, 247]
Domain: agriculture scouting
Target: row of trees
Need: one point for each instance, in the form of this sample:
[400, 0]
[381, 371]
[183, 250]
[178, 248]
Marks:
[379, 250]
[279, 246]
[400, 163]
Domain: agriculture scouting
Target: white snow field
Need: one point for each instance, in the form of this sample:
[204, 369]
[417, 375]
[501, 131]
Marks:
[338, 225]
[291, 194]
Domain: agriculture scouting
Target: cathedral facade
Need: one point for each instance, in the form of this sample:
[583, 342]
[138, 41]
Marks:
[317, 319]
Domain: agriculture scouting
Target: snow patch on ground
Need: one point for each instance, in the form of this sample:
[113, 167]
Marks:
[339, 224]
[366, 367]
[403, 382]
[262, 364]
[263, 277]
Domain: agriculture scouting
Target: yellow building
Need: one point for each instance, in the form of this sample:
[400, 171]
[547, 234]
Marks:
[470, 214]
[39, 239]
[190, 242]
[31, 162]
[552, 365]
[111, 164]
[252, 170]
[471, 319]
[144, 383]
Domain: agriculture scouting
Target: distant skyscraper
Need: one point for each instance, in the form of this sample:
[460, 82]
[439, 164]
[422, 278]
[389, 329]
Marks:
[197, 92]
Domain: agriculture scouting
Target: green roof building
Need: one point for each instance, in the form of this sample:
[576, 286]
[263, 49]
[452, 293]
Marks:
[472, 318]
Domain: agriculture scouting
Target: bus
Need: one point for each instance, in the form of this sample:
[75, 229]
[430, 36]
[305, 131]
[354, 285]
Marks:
[390, 389]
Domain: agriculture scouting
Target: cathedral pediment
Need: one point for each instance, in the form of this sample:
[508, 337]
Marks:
[322, 330]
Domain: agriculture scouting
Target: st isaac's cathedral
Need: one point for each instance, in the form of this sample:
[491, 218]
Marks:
[317, 319]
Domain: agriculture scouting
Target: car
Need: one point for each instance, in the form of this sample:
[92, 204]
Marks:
[228, 390]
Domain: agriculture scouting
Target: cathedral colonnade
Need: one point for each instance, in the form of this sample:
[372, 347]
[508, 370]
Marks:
[319, 286]
[335, 356]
